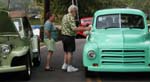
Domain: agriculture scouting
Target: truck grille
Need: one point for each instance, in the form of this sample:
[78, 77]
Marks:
[126, 57]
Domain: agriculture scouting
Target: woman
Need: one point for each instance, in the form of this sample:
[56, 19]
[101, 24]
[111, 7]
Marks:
[50, 36]
[68, 31]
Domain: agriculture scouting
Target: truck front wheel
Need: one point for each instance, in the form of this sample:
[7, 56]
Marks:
[90, 73]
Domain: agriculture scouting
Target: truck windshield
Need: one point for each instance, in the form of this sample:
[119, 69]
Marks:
[120, 21]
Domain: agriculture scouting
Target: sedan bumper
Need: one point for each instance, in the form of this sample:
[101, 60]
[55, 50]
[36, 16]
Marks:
[6, 69]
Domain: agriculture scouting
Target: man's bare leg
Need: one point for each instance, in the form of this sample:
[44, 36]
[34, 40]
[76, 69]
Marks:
[70, 68]
[66, 58]
[69, 57]
[65, 65]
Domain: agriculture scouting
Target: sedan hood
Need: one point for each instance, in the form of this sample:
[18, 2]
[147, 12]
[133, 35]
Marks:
[6, 24]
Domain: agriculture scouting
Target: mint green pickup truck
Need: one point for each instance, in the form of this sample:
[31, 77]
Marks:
[118, 42]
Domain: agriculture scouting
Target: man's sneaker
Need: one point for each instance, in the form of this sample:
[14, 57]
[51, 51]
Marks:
[64, 67]
[72, 69]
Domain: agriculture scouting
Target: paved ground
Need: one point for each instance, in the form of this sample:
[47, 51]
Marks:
[39, 75]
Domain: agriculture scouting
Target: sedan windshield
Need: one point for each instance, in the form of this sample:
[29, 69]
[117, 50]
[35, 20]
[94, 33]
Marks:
[120, 21]
[4, 4]
[6, 25]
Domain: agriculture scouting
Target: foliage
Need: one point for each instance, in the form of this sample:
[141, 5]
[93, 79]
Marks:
[88, 7]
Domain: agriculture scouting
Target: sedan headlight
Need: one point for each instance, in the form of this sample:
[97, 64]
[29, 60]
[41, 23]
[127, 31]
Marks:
[5, 49]
[91, 54]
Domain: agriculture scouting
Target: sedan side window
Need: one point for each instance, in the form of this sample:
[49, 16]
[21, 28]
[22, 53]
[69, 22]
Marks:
[27, 27]
[19, 26]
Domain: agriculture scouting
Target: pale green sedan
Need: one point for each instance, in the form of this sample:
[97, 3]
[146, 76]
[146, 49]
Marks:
[19, 49]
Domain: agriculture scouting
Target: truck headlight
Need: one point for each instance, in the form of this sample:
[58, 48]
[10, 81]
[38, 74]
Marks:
[5, 49]
[91, 54]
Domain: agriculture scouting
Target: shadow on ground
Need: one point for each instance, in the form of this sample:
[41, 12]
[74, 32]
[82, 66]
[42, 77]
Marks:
[118, 77]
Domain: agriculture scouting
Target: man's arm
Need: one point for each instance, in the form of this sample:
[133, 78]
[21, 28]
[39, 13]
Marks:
[82, 29]
[73, 26]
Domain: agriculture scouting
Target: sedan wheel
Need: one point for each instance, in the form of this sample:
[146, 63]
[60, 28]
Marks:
[37, 60]
[27, 73]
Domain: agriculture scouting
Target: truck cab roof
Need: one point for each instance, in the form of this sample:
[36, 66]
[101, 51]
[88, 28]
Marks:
[119, 11]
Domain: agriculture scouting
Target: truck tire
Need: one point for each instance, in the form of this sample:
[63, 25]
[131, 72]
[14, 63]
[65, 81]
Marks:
[90, 73]
[87, 73]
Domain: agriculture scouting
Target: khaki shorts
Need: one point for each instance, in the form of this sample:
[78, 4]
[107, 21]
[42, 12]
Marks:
[50, 44]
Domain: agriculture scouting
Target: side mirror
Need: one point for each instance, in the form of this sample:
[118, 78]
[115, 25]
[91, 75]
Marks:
[148, 27]
[147, 18]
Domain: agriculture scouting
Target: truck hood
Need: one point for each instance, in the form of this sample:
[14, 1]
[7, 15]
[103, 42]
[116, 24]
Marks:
[120, 38]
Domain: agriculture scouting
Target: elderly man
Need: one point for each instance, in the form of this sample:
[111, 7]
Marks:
[68, 31]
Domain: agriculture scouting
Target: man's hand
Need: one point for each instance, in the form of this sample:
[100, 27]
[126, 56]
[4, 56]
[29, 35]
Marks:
[88, 28]
[58, 27]
[82, 29]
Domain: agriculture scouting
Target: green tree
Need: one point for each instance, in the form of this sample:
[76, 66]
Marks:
[88, 7]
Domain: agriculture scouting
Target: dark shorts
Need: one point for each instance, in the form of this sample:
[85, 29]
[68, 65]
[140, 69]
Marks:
[68, 43]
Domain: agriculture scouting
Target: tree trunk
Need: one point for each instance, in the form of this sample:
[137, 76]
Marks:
[46, 8]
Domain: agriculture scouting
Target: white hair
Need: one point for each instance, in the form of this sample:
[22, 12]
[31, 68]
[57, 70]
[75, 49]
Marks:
[71, 8]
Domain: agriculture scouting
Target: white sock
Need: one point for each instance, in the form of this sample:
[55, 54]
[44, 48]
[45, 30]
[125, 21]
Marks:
[69, 65]
[65, 64]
